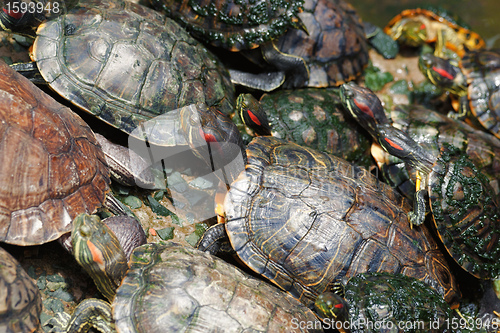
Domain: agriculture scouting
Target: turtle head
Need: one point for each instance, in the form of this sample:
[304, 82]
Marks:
[252, 114]
[442, 73]
[330, 305]
[413, 32]
[98, 251]
[214, 138]
[364, 106]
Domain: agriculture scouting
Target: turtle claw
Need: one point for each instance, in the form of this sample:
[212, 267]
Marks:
[415, 219]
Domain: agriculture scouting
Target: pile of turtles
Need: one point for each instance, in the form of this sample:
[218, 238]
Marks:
[320, 205]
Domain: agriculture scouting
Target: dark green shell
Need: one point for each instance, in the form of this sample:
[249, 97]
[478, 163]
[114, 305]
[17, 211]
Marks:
[335, 48]
[234, 25]
[304, 219]
[431, 130]
[394, 301]
[316, 118]
[171, 288]
[127, 64]
[482, 69]
[466, 212]
[21, 302]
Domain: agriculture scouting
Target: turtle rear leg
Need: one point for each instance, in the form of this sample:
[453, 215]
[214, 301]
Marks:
[215, 241]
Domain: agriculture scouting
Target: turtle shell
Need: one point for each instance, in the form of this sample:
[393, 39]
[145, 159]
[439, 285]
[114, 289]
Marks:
[335, 48]
[432, 130]
[482, 69]
[392, 301]
[127, 64]
[304, 219]
[234, 25]
[435, 21]
[51, 166]
[466, 212]
[172, 288]
[316, 118]
[21, 302]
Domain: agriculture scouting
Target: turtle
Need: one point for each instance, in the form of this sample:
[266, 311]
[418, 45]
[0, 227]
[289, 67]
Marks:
[417, 26]
[476, 82]
[464, 206]
[317, 63]
[169, 287]
[138, 65]
[431, 130]
[234, 25]
[21, 302]
[52, 167]
[383, 302]
[305, 219]
[312, 117]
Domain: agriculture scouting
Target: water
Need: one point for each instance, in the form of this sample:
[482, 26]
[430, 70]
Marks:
[482, 15]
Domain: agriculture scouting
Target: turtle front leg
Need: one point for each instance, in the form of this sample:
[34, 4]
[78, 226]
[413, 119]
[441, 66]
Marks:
[295, 68]
[417, 216]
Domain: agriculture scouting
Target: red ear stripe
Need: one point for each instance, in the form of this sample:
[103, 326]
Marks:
[422, 26]
[254, 118]
[393, 144]
[207, 137]
[443, 73]
[14, 14]
[364, 108]
[338, 306]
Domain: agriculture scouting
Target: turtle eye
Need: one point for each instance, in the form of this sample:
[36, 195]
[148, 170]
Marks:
[427, 62]
[84, 231]
[349, 93]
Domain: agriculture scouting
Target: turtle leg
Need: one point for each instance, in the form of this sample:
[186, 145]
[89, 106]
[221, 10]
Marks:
[462, 108]
[90, 313]
[295, 68]
[264, 81]
[215, 240]
[30, 71]
[417, 216]
[439, 49]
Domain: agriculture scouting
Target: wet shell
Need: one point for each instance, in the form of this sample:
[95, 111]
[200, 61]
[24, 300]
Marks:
[51, 166]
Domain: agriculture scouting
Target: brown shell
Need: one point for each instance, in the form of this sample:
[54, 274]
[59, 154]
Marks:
[335, 48]
[51, 166]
